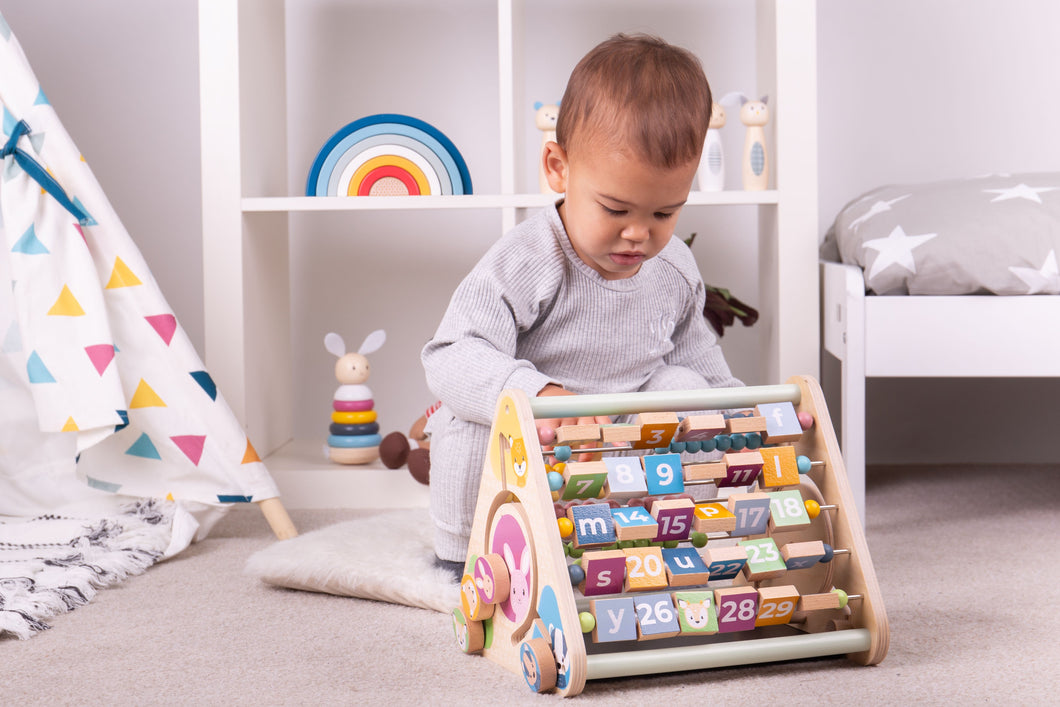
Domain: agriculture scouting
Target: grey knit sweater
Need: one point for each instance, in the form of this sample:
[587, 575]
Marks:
[532, 313]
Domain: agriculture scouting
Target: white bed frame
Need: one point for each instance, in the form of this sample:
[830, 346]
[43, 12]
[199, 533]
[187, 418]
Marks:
[980, 336]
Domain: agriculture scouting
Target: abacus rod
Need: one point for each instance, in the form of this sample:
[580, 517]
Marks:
[663, 401]
[728, 653]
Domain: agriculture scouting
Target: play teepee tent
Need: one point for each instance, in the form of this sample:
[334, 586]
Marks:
[116, 448]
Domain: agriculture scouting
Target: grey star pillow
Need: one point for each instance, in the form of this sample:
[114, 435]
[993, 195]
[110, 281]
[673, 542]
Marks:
[998, 234]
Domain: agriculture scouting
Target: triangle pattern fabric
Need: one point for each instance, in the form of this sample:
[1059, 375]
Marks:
[191, 445]
[164, 324]
[122, 276]
[29, 244]
[66, 305]
[145, 397]
[101, 355]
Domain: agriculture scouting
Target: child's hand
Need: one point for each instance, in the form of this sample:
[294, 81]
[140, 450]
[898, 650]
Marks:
[546, 429]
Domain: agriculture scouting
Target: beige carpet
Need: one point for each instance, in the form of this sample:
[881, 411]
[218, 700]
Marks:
[965, 559]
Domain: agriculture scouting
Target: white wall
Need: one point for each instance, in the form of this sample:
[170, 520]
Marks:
[909, 90]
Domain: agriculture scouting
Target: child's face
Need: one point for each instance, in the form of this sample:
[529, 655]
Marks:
[618, 211]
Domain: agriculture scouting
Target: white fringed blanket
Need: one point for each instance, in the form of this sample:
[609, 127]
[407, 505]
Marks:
[52, 564]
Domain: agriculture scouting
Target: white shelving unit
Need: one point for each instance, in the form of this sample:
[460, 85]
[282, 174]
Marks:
[246, 205]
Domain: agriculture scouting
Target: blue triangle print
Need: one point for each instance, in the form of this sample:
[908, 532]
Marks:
[224, 498]
[5, 29]
[207, 384]
[103, 485]
[37, 140]
[144, 447]
[124, 415]
[37, 371]
[42, 100]
[30, 244]
[87, 220]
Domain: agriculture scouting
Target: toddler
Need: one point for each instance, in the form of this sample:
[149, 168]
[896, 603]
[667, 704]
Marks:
[592, 295]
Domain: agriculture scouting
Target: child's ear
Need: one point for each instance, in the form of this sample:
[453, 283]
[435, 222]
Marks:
[554, 159]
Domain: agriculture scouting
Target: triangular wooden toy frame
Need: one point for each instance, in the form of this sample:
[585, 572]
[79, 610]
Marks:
[522, 609]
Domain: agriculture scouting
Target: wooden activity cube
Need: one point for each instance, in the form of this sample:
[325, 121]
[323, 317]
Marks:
[615, 570]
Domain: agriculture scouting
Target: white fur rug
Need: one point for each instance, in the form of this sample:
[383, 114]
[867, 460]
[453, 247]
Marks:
[387, 557]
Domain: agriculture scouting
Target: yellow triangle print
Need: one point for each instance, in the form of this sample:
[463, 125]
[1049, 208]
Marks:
[67, 305]
[250, 456]
[145, 397]
[70, 425]
[169, 497]
[122, 276]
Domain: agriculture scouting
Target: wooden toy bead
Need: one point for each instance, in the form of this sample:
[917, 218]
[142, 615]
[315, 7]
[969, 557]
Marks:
[562, 453]
[566, 526]
[576, 573]
[587, 621]
[805, 420]
[804, 464]
[546, 435]
[813, 508]
[555, 481]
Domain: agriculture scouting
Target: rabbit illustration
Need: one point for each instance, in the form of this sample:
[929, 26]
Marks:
[519, 594]
[354, 433]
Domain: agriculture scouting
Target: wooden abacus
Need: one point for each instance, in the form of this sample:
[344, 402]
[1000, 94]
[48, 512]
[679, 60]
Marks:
[777, 571]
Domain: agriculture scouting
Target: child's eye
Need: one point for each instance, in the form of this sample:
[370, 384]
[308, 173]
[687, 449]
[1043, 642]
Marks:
[612, 212]
[663, 216]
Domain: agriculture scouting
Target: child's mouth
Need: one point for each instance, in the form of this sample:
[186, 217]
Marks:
[627, 259]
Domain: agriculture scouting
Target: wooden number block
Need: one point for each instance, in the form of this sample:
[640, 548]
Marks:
[625, 478]
[583, 480]
[776, 605]
[675, 518]
[656, 429]
[663, 474]
[616, 619]
[706, 471]
[619, 433]
[787, 510]
[725, 562]
[820, 602]
[634, 523]
[699, 428]
[743, 425]
[751, 511]
[763, 559]
[741, 468]
[696, 614]
[471, 603]
[779, 466]
[577, 434]
[645, 569]
[713, 518]
[605, 572]
[737, 608]
[782, 422]
[492, 578]
[592, 524]
[684, 567]
[656, 617]
[798, 556]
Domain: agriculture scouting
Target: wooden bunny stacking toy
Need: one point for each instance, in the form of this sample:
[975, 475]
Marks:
[545, 120]
[354, 433]
[711, 170]
[755, 114]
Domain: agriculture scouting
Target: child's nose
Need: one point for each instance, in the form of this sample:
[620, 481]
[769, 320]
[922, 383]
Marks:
[636, 232]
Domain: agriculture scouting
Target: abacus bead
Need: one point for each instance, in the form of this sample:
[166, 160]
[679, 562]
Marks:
[698, 539]
[677, 447]
[555, 481]
[843, 598]
[546, 435]
[662, 450]
[813, 508]
[693, 446]
[739, 441]
[804, 464]
[587, 621]
[670, 544]
[723, 443]
[575, 552]
[562, 453]
[566, 527]
[829, 553]
[754, 440]
[709, 445]
[805, 420]
[577, 574]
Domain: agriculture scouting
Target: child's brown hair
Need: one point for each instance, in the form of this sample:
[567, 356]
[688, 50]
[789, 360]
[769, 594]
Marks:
[640, 93]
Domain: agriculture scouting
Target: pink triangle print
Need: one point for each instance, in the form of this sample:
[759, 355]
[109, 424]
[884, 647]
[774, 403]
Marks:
[191, 445]
[164, 324]
[101, 355]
